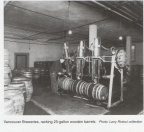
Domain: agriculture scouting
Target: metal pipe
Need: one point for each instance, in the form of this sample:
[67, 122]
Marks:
[107, 8]
[124, 9]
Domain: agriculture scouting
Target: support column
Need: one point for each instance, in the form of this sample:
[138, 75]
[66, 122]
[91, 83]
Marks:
[92, 34]
[128, 50]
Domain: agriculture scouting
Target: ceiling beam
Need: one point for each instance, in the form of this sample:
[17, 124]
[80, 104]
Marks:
[65, 30]
[113, 11]
[36, 12]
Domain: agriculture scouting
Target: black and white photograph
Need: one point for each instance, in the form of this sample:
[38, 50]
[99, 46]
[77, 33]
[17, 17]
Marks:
[73, 57]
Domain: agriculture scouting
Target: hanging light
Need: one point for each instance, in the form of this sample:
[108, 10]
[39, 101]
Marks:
[120, 38]
[69, 31]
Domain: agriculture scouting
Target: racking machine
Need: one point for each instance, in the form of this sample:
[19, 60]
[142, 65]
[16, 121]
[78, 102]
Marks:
[117, 59]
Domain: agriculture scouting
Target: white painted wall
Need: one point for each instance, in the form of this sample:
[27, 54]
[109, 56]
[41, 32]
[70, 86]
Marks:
[49, 52]
[52, 52]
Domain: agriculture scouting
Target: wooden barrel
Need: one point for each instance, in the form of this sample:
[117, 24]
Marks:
[99, 92]
[9, 108]
[36, 75]
[5, 87]
[18, 86]
[78, 87]
[28, 86]
[6, 54]
[36, 70]
[29, 69]
[7, 69]
[60, 82]
[7, 78]
[74, 86]
[7, 81]
[64, 83]
[71, 85]
[83, 88]
[6, 62]
[90, 90]
[43, 72]
[27, 74]
[86, 88]
[18, 98]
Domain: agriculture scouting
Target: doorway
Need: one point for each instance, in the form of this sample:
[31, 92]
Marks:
[21, 60]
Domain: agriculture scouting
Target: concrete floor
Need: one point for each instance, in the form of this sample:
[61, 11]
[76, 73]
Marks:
[32, 109]
[132, 104]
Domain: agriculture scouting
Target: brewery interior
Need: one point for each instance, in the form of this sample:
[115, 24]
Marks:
[73, 57]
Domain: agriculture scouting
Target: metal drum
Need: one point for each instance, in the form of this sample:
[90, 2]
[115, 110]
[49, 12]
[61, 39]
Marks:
[9, 108]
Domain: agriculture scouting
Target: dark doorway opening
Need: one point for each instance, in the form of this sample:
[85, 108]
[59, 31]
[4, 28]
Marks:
[21, 60]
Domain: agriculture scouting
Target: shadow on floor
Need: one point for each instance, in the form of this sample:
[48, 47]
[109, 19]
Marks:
[132, 104]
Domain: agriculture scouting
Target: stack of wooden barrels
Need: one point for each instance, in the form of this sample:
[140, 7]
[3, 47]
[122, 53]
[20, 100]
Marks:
[18, 92]
[9, 108]
[36, 73]
[15, 94]
[41, 64]
[27, 72]
[31, 72]
[28, 86]
[90, 90]
[7, 69]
